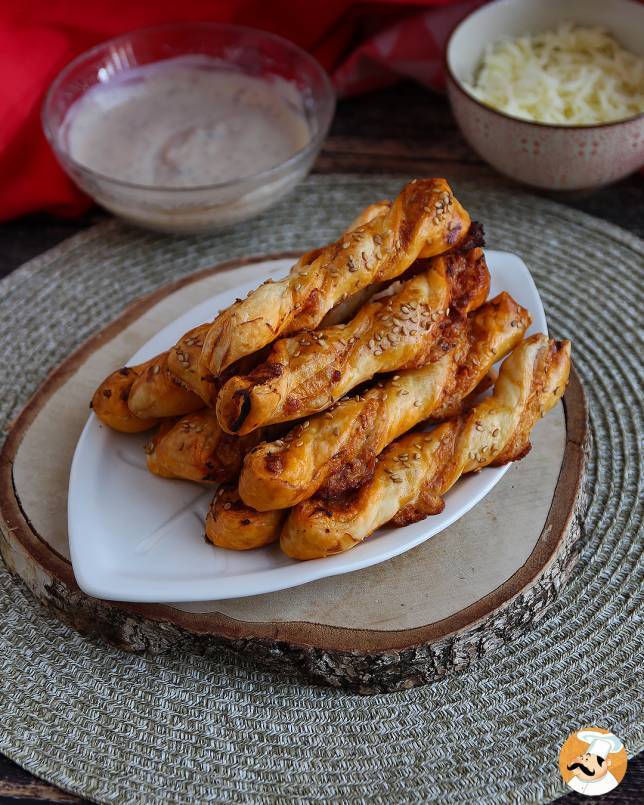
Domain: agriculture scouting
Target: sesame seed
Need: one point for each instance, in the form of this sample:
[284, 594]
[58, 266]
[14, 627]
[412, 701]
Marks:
[495, 432]
[416, 404]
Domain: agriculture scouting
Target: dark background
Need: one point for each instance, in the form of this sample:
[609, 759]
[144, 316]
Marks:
[403, 129]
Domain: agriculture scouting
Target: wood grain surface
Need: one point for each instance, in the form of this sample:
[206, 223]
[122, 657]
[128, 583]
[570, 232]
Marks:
[403, 128]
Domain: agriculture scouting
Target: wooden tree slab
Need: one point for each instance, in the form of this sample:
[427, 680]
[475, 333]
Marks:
[475, 586]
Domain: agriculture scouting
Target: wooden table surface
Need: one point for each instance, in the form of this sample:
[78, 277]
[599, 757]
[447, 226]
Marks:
[400, 129]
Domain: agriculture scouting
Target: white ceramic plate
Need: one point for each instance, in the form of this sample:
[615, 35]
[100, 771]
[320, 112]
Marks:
[136, 537]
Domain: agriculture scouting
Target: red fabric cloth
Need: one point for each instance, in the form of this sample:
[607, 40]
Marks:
[364, 45]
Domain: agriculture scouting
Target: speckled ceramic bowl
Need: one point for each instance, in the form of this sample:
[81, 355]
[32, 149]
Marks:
[539, 154]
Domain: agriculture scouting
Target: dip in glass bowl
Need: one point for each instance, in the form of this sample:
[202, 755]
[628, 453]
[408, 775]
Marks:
[191, 127]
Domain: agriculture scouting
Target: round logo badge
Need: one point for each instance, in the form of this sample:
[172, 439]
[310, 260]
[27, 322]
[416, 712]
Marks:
[592, 761]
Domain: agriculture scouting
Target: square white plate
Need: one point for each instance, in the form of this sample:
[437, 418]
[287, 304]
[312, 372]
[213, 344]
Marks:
[137, 537]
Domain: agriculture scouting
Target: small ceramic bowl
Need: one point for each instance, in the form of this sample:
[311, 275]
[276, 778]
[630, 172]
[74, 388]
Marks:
[554, 157]
[209, 207]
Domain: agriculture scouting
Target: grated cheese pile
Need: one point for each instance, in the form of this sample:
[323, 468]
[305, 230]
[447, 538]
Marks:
[571, 76]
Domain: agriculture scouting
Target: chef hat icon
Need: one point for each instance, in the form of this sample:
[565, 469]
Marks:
[601, 744]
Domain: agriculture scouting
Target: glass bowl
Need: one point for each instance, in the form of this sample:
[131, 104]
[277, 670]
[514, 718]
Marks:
[193, 209]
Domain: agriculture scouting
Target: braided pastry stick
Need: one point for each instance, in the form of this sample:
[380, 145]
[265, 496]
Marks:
[184, 356]
[424, 220]
[109, 402]
[157, 392]
[131, 399]
[415, 472]
[336, 450]
[196, 449]
[229, 523]
[309, 372]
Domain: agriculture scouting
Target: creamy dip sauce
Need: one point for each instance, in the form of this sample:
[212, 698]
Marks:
[185, 122]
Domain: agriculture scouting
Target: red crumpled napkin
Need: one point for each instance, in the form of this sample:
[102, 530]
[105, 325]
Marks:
[364, 45]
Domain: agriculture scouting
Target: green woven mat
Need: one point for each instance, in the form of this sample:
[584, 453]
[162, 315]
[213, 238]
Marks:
[122, 728]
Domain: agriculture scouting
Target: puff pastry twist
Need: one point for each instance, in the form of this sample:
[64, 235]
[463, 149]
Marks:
[338, 448]
[230, 525]
[309, 372]
[133, 399]
[414, 473]
[156, 393]
[424, 220]
[196, 449]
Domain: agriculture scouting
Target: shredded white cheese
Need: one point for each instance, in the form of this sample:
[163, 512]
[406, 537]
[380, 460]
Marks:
[571, 76]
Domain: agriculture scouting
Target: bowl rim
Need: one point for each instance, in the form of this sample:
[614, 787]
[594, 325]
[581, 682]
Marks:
[297, 156]
[458, 84]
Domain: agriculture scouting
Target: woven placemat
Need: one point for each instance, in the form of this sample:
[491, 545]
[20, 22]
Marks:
[123, 728]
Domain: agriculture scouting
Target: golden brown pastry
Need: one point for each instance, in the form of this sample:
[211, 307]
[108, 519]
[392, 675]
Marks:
[156, 392]
[309, 372]
[414, 472]
[196, 449]
[230, 525]
[111, 397]
[368, 214]
[337, 449]
[424, 220]
[183, 362]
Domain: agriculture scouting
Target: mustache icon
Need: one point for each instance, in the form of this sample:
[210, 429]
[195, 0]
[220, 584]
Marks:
[581, 766]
